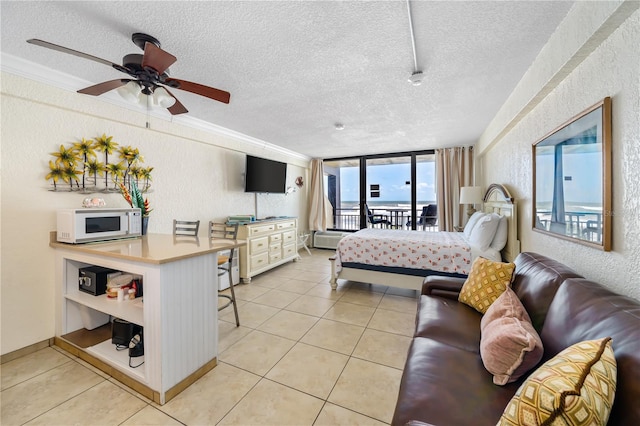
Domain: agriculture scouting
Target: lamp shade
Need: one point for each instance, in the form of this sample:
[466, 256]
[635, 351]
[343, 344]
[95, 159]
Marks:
[162, 98]
[470, 195]
[130, 92]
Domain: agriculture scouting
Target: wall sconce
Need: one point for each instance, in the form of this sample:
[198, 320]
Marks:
[471, 195]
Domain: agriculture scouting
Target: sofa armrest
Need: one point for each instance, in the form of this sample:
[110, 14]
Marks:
[448, 287]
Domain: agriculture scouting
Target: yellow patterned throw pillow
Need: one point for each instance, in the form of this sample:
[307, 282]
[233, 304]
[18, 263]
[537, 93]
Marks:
[485, 283]
[576, 387]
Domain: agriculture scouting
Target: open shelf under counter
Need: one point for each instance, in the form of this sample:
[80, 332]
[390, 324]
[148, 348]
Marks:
[180, 310]
[97, 342]
[128, 310]
[119, 359]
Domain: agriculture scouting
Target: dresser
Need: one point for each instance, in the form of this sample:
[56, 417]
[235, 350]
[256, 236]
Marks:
[269, 243]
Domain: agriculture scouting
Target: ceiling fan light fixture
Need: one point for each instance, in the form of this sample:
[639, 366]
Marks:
[162, 98]
[416, 78]
[130, 92]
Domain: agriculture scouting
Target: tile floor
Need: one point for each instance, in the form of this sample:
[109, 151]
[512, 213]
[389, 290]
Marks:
[303, 355]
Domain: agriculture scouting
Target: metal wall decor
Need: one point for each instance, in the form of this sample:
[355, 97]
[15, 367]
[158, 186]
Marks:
[79, 167]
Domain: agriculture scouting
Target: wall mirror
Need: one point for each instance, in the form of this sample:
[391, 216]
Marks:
[572, 179]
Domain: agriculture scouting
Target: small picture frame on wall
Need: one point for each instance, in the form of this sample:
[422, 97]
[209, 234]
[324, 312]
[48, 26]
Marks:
[572, 179]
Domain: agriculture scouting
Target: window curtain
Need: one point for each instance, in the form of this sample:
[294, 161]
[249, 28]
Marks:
[317, 199]
[454, 169]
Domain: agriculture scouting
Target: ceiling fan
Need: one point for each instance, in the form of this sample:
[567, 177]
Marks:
[150, 72]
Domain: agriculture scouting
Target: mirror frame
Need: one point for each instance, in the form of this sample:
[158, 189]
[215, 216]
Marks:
[563, 133]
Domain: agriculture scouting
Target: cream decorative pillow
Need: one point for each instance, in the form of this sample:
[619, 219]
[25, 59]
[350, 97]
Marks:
[509, 345]
[485, 283]
[576, 387]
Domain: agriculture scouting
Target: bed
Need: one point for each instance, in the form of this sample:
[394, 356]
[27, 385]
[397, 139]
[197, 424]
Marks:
[404, 258]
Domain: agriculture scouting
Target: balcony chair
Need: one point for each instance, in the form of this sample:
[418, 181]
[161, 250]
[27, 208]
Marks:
[225, 262]
[428, 217]
[375, 219]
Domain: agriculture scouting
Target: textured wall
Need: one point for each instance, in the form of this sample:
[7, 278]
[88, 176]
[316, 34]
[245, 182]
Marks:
[612, 69]
[197, 175]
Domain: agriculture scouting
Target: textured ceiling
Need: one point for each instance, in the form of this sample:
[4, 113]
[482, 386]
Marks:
[295, 68]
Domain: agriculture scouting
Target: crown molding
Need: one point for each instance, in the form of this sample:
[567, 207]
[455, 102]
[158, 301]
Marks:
[23, 68]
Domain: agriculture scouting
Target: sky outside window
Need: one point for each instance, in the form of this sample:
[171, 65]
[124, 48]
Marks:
[392, 179]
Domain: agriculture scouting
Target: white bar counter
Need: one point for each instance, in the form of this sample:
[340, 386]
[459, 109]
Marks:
[178, 309]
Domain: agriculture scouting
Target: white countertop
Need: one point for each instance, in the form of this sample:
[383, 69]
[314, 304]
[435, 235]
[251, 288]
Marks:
[151, 248]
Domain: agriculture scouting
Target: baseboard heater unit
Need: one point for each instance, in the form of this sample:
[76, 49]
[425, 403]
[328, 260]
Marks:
[328, 239]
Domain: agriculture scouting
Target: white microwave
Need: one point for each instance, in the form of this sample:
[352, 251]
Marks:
[88, 225]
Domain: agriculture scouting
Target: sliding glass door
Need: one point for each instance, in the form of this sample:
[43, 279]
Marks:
[388, 197]
[391, 191]
[342, 188]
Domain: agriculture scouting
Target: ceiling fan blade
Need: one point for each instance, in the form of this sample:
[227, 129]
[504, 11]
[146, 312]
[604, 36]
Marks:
[63, 49]
[104, 87]
[176, 108]
[156, 58]
[199, 89]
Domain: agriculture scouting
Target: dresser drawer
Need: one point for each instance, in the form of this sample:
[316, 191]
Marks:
[289, 250]
[275, 257]
[275, 247]
[258, 245]
[261, 229]
[275, 238]
[289, 237]
[286, 225]
[259, 260]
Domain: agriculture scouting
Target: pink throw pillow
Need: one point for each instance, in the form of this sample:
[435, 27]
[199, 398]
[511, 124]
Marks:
[509, 345]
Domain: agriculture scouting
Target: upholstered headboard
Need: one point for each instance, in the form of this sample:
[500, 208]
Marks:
[498, 200]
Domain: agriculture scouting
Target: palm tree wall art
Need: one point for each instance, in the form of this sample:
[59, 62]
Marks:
[80, 165]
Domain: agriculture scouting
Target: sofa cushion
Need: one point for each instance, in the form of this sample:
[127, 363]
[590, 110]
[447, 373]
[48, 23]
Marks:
[509, 345]
[444, 385]
[585, 310]
[536, 281]
[485, 283]
[576, 387]
[450, 322]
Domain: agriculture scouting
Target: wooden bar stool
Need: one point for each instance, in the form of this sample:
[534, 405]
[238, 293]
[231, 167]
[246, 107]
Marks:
[225, 262]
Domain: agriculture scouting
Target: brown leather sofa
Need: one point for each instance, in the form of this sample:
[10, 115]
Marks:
[444, 381]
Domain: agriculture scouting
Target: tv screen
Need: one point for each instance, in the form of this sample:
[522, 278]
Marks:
[264, 175]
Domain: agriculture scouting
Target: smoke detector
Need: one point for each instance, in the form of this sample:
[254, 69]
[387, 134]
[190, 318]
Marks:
[416, 78]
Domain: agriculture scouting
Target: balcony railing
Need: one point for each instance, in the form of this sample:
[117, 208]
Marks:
[348, 219]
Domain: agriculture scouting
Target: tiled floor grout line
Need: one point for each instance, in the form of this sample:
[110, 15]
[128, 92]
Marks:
[350, 355]
[37, 375]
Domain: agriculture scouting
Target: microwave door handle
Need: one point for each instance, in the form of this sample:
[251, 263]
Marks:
[128, 231]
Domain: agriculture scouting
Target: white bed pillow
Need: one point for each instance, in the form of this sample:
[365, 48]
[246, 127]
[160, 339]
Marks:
[472, 222]
[484, 230]
[502, 233]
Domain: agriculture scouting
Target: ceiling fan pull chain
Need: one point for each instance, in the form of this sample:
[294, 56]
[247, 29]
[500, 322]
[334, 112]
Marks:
[148, 113]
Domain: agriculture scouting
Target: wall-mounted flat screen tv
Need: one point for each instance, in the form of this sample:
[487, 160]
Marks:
[264, 175]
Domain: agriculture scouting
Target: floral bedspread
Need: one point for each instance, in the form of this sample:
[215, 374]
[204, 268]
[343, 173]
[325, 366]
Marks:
[440, 251]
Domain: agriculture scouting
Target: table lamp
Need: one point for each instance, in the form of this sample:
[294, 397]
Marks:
[471, 195]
